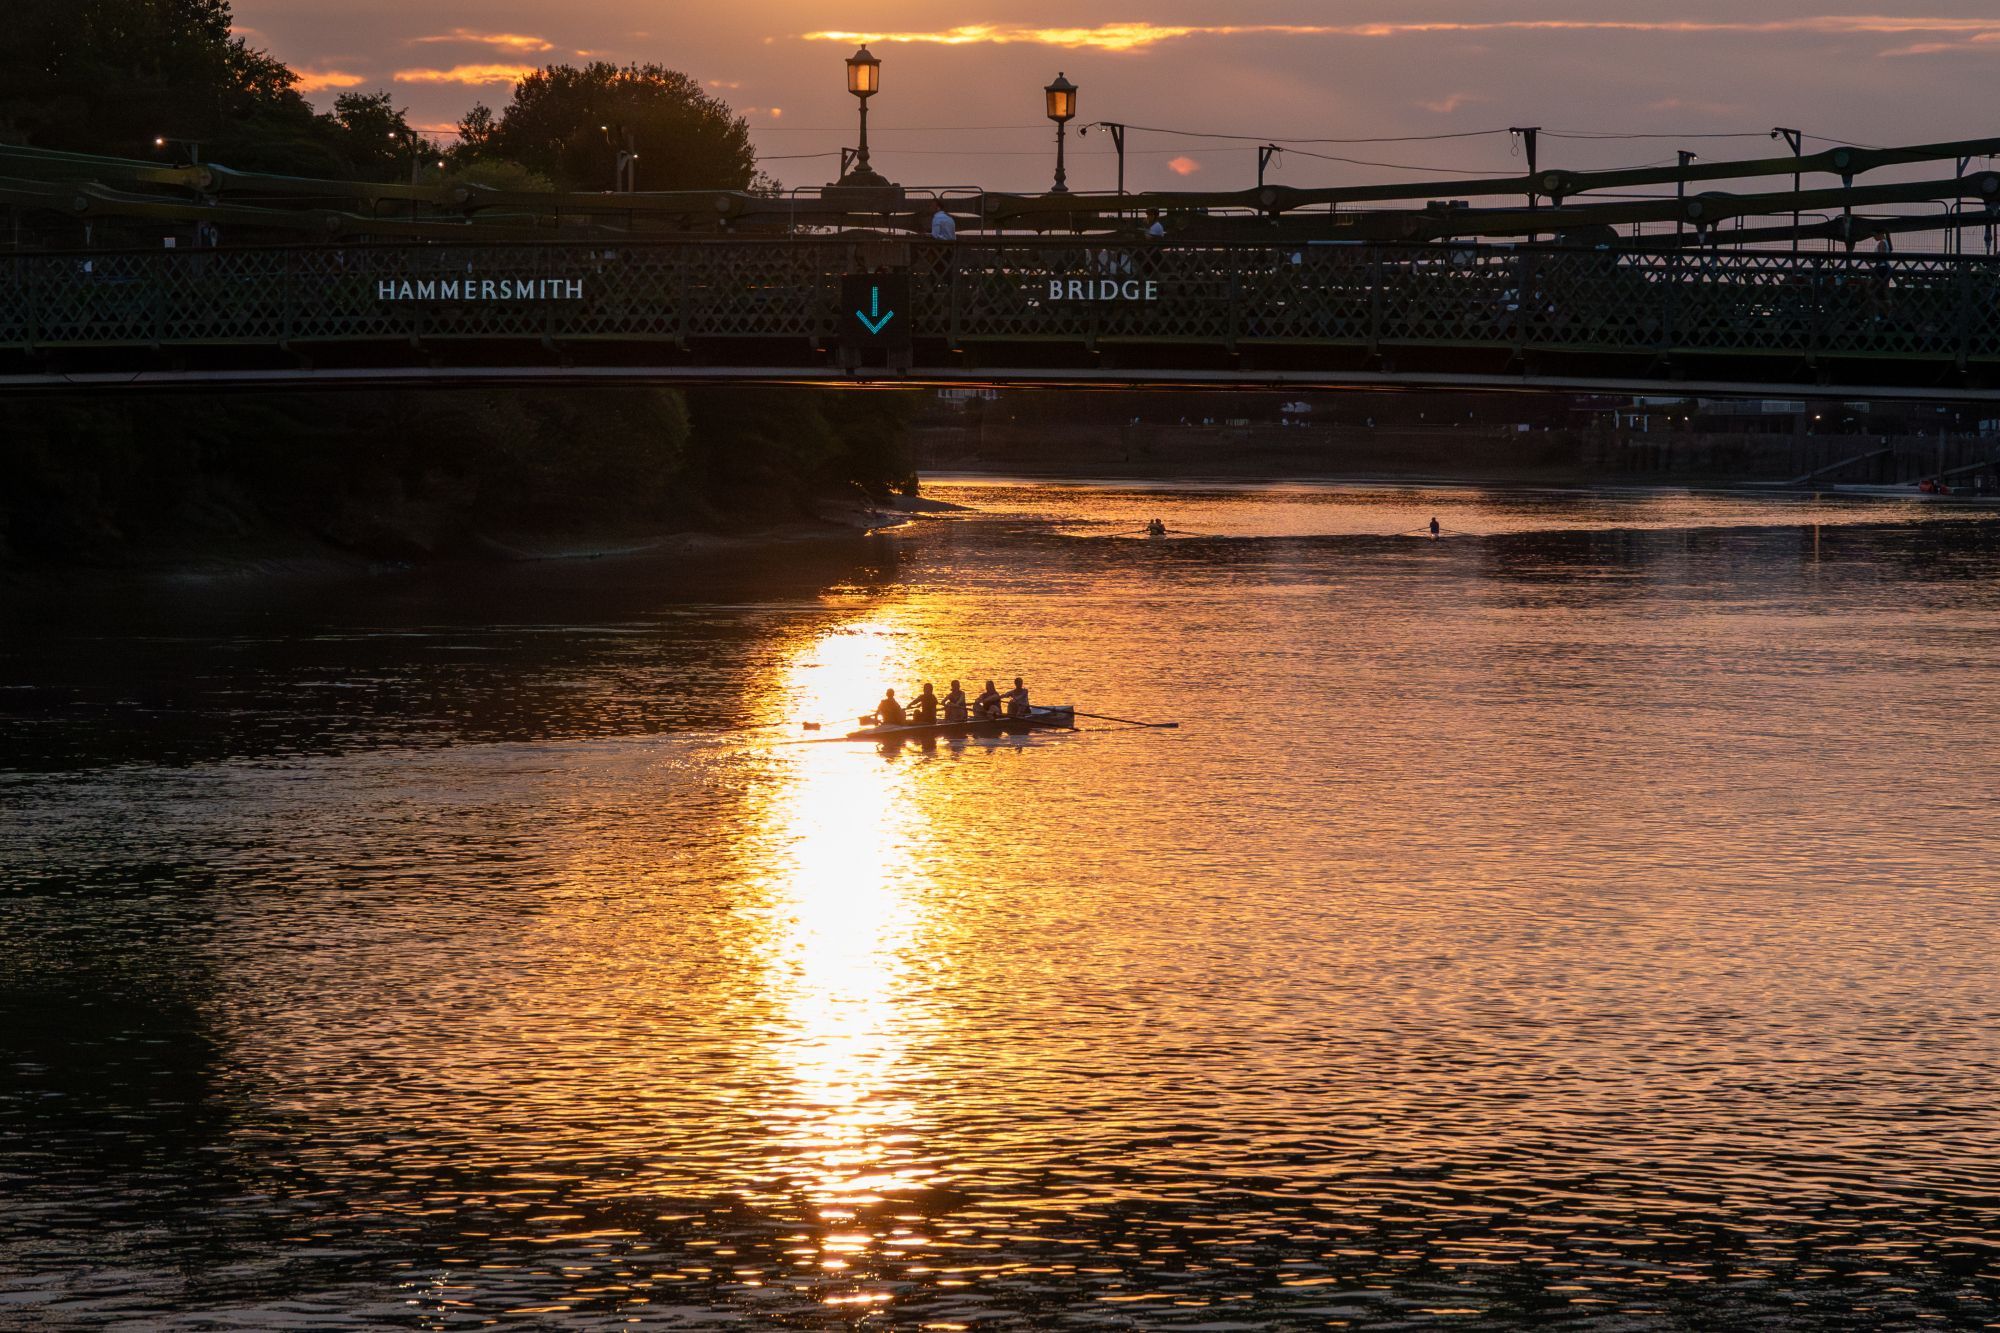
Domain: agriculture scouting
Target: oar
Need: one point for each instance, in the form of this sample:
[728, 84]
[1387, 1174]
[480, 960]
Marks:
[1128, 721]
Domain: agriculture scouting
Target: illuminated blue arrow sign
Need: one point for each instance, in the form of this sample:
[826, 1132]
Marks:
[876, 319]
[876, 325]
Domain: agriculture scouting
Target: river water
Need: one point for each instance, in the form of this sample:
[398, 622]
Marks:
[1587, 919]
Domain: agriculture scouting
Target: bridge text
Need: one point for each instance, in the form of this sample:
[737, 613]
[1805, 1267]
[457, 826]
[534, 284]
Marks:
[479, 289]
[1103, 289]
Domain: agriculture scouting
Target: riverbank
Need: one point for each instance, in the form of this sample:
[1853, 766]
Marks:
[268, 556]
[393, 478]
[1455, 455]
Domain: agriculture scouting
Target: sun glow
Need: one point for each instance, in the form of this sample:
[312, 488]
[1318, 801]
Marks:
[470, 75]
[1139, 36]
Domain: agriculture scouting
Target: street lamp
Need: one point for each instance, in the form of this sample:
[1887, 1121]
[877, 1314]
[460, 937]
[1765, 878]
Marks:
[192, 145]
[1062, 109]
[624, 171]
[414, 142]
[864, 80]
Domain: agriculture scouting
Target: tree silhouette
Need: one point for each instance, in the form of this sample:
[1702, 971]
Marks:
[569, 124]
[110, 76]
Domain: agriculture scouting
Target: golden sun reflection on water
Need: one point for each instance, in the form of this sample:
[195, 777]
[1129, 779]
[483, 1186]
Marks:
[847, 908]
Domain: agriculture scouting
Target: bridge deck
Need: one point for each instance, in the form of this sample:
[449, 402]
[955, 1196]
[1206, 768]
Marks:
[1020, 312]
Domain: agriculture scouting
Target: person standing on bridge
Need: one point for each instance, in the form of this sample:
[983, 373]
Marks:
[944, 227]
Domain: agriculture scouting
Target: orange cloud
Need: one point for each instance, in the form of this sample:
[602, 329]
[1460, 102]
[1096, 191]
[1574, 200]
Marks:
[1941, 48]
[470, 75]
[504, 41]
[1183, 166]
[324, 80]
[1137, 36]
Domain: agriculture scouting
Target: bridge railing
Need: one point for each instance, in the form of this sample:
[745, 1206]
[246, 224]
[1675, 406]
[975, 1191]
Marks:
[967, 294]
[1469, 296]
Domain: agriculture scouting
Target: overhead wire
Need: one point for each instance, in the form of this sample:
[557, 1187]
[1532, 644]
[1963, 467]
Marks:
[1227, 143]
[1290, 139]
[1592, 134]
[1386, 166]
[893, 129]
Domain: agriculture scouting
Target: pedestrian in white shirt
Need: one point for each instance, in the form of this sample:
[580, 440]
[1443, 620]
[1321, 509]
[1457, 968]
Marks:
[943, 227]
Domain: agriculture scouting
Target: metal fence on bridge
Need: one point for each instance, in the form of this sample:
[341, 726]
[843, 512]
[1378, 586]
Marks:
[778, 302]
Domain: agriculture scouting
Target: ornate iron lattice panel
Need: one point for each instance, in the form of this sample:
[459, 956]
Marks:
[1766, 305]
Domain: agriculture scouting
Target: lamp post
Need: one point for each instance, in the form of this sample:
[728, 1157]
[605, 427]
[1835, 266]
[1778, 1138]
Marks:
[625, 169]
[1062, 109]
[861, 188]
[416, 145]
[864, 80]
[192, 145]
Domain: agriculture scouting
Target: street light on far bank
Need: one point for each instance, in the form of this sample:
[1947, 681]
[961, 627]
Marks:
[192, 145]
[1061, 97]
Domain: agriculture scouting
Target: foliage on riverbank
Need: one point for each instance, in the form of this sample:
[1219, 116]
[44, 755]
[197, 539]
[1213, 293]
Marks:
[422, 474]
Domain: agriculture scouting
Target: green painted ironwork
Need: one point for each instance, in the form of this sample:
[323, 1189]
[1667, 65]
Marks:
[1330, 297]
[78, 188]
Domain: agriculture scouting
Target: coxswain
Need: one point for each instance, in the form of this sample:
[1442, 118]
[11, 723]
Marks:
[1435, 529]
[1017, 699]
[1156, 529]
[954, 703]
[924, 708]
[987, 705]
[889, 713]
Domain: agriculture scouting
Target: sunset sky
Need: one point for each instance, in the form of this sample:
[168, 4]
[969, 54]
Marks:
[961, 100]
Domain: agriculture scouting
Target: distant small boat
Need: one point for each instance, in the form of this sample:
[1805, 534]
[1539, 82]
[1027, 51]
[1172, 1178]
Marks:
[1057, 717]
